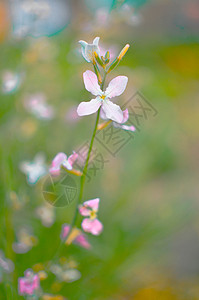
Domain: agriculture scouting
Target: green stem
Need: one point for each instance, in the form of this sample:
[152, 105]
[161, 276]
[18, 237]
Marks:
[83, 178]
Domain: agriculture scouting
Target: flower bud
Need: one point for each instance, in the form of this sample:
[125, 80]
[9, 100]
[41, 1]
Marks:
[97, 72]
[103, 125]
[98, 59]
[119, 58]
[123, 52]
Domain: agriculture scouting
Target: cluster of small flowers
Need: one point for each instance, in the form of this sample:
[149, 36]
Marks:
[89, 208]
[109, 110]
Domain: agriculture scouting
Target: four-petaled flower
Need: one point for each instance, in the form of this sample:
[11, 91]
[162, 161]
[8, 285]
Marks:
[115, 88]
[28, 284]
[89, 49]
[90, 209]
[125, 119]
[62, 160]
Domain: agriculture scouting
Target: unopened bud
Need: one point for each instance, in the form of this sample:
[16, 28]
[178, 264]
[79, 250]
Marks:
[103, 125]
[98, 59]
[113, 65]
[72, 236]
[75, 172]
[123, 52]
[107, 55]
[97, 72]
[119, 58]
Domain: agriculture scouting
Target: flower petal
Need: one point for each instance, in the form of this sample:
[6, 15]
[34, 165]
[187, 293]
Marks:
[93, 226]
[72, 158]
[96, 41]
[83, 45]
[56, 163]
[82, 241]
[65, 231]
[88, 108]
[67, 165]
[91, 83]
[116, 87]
[84, 211]
[112, 111]
[86, 208]
[125, 115]
[93, 204]
[58, 159]
[102, 114]
[125, 127]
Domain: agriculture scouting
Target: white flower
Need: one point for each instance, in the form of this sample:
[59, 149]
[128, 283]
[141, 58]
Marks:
[10, 82]
[115, 88]
[89, 49]
[34, 169]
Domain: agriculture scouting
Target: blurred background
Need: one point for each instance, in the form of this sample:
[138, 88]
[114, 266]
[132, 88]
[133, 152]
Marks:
[149, 248]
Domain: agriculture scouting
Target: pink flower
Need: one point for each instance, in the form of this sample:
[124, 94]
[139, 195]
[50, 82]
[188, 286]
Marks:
[71, 116]
[38, 106]
[29, 283]
[61, 160]
[91, 224]
[125, 119]
[115, 88]
[79, 237]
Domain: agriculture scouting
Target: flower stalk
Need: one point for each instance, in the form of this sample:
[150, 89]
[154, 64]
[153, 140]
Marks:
[94, 83]
[84, 172]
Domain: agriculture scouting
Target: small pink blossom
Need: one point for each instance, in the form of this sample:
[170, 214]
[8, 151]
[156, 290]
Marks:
[90, 209]
[80, 239]
[115, 88]
[29, 284]
[125, 119]
[62, 160]
[38, 106]
[71, 116]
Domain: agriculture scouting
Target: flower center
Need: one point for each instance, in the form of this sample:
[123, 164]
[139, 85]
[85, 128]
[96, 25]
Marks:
[93, 215]
[103, 97]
